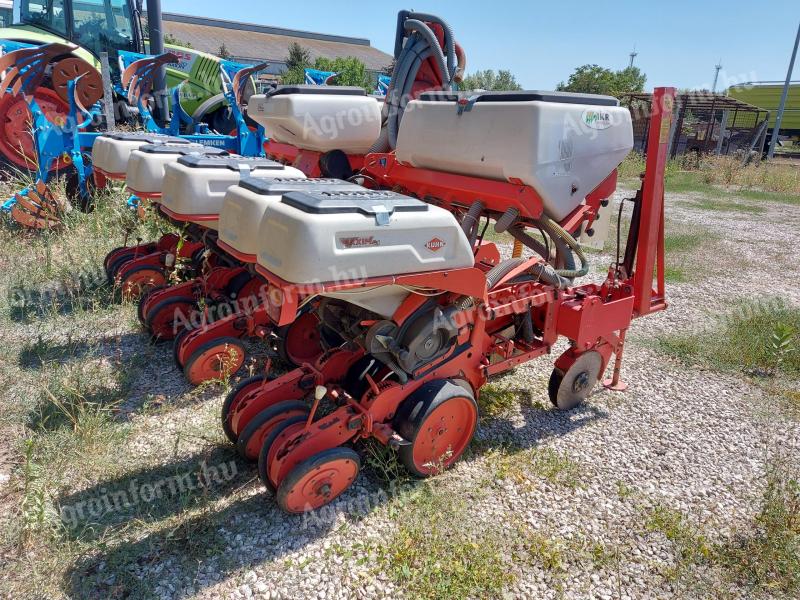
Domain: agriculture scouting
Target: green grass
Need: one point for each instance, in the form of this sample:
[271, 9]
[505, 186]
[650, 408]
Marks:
[762, 556]
[495, 400]
[526, 466]
[722, 205]
[756, 337]
[434, 553]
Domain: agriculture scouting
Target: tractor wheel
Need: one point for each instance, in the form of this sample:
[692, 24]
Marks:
[138, 280]
[233, 398]
[300, 341]
[568, 390]
[252, 437]
[163, 319]
[214, 360]
[279, 433]
[16, 142]
[439, 420]
[318, 480]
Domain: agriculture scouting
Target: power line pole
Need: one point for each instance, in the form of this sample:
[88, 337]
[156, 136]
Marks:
[718, 67]
[782, 105]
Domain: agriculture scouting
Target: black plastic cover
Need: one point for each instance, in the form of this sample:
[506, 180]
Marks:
[283, 185]
[521, 96]
[340, 90]
[183, 149]
[226, 161]
[144, 136]
[364, 201]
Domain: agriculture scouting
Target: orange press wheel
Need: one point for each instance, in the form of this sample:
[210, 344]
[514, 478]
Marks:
[252, 437]
[439, 420]
[233, 398]
[214, 360]
[318, 480]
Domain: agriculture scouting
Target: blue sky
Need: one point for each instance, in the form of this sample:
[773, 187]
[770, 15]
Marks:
[678, 41]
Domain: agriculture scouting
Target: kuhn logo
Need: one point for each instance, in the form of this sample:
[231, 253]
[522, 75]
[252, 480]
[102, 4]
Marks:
[435, 245]
[596, 119]
[359, 242]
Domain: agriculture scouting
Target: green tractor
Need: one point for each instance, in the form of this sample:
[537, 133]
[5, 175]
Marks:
[97, 26]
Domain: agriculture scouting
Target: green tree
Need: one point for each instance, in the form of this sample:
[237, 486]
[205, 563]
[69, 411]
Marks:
[223, 52]
[594, 79]
[489, 80]
[298, 59]
[349, 71]
[173, 41]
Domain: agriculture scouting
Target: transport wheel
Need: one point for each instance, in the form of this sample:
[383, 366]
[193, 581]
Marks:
[439, 420]
[138, 280]
[272, 442]
[252, 437]
[300, 341]
[142, 307]
[568, 390]
[165, 319]
[233, 398]
[214, 360]
[318, 480]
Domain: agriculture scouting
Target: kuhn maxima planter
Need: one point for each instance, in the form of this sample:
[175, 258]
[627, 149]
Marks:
[427, 309]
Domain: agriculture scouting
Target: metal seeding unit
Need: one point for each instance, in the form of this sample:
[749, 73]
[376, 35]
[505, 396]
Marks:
[376, 281]
[434, 312]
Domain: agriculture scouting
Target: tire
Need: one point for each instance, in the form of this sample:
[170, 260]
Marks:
[268, 441]
[334, 470]
[159, 334]
[201, 365]
[262, 424]
[243, 387]
[453, 410]
[568, 389]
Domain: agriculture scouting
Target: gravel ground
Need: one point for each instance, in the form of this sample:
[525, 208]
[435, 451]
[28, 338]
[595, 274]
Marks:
[686, 438]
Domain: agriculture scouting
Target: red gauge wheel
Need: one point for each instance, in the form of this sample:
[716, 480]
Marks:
[166, 318]
[569, 389]
[138, 280]
[214, 360]
[318, 480]
[233, 398]
[439, 420]
[252, 437]
[300, 341]
[142, 307]
[273, 443]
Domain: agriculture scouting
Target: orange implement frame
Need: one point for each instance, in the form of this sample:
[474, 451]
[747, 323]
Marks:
[650, 243]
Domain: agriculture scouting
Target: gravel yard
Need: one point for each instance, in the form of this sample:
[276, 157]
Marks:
[633, 495]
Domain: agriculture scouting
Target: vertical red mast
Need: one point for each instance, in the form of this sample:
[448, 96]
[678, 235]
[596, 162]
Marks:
[650, 245]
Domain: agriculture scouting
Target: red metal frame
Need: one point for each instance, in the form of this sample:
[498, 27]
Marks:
[305, 160]
[594, 317]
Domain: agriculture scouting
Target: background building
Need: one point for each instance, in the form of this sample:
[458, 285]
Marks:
[252, 43]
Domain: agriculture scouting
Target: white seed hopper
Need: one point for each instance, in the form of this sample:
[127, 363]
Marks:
[330, 236]
[561, 144]
[110, 152]
[245, 204]
[319, 118]
[145, 176]
[194, 186]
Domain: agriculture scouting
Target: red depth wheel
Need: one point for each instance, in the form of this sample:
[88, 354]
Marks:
[16, 142]
[214, 360]
[140, 279]
[165, 319]
[439, 420]
[252, 437]
[300, 341]
[318, 480]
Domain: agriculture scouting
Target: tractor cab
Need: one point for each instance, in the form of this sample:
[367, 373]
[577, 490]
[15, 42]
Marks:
[96, 25]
